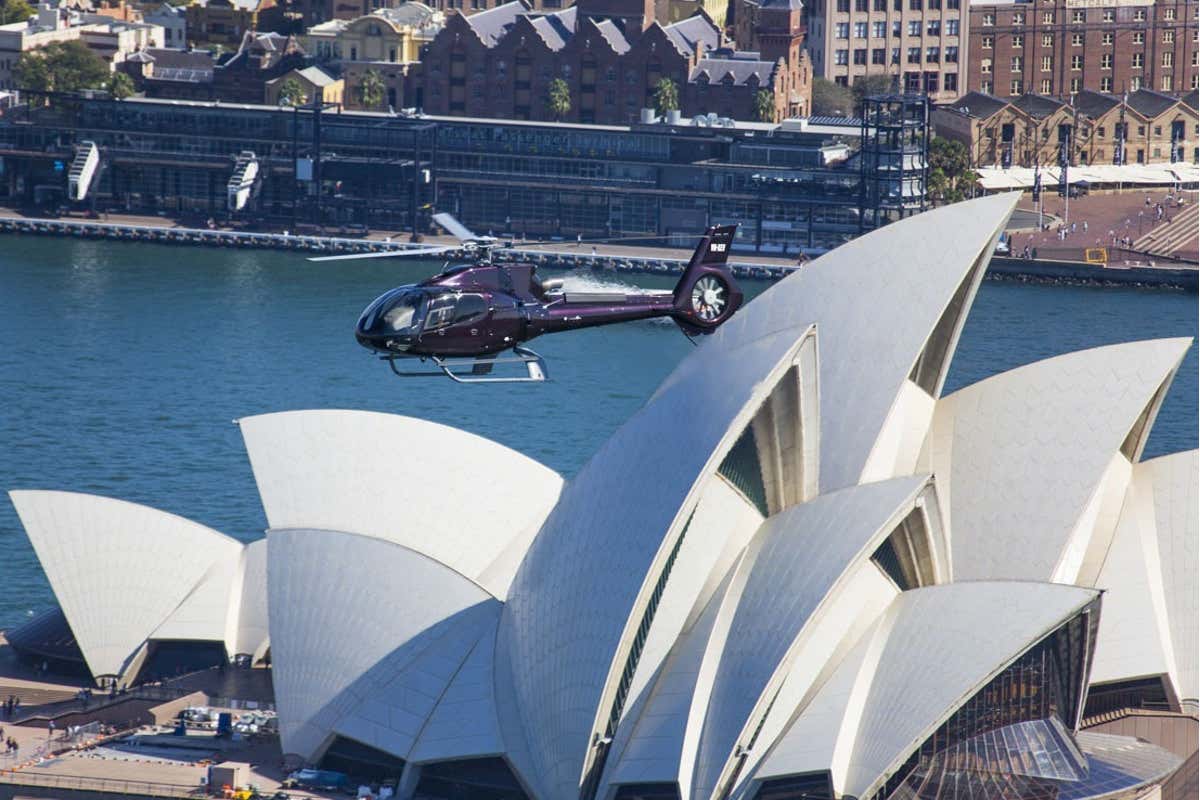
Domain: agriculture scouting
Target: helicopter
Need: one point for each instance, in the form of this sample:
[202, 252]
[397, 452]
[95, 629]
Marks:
[463, 319]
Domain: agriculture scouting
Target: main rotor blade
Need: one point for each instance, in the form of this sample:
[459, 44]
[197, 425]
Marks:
[454, 227]
[423, 251]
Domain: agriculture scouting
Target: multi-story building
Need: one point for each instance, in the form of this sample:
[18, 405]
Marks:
[922, 44]
[612, 55]
[173, 20]
[788, 185]
[316, 84]
[387, 41]
[226, 21]
[1063, 47]
[1144, 127]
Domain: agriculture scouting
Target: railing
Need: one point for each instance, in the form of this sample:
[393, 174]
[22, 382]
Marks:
[83, 167]
[108, 785]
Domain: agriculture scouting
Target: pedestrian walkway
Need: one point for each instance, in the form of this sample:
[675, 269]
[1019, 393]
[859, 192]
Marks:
[1171, 236]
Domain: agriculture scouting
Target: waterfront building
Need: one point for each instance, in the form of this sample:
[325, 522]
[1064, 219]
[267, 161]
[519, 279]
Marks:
[1063, 47]
[318, 86]
[173, 20]
[612, 55]
[225, 22]
[802, 569]
[922, 44]
[789, 186]
[1143, 127]
[387, 41]
[173, 73]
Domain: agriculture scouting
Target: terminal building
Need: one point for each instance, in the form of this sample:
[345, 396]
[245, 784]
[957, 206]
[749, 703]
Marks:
[802, 570]
[792, 186]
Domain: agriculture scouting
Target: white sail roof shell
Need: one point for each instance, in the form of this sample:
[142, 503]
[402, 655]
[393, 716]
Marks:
[356, 620]
[1020, 456]
[463, 500]
[120, 570]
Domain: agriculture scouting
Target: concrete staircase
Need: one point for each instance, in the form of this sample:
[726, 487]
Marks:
[83, 170]
[1170, 236]
[242, 181]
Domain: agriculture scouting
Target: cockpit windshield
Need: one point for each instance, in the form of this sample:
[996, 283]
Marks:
[396, 313]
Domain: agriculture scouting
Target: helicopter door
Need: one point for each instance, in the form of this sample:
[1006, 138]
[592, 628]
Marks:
[457, 311]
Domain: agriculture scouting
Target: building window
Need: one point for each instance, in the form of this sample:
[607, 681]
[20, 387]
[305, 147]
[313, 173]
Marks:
[1139, 15]
[1014, 87]
[1017, 63]
[1139, 37]
[1047, 17]
[1106, 84]
[1047, 63]
[896, 29]
[842, 80]
[880, 5]
[1076, 40]
[878, 56]
[1106, 61]
[952, 4]
[1018, 41]
[1106, 38]
[952, 27]
[987, 41]
[897, 5]
[1076, 83]
[1168, 14]
[1047, 40]
[1168, 59]
[950, 81]
[1076, 63]
[843, 31]
[1136, 61]
[841, 57]
[1168, 83]
[1078, 16]
[843, 6]
[895, 55]
[860, 56]
[985, 66]
[989, 19]
[914, 55]
[1018, 18]
[879, 30]
[933, 27]
[1109, 15]
[860, 30]
[1168, 37]
[952, 54]
[1196, 80]
[985, 87]
[933, 54]
[914, 5]
[1045, 86]
[1135, 83]
[914, 27]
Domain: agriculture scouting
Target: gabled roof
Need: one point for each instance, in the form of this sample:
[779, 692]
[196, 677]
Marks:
[316, 76]
[613, 35]
[555, 29]
[1038, 106]
[686, 33]
[491, 25]
[1150, 103]
[1094, 104]
[178, 59]
[977, 105]
[718, 69]
[409, 13]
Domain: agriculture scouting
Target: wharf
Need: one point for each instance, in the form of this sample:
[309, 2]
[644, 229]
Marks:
[568, 254]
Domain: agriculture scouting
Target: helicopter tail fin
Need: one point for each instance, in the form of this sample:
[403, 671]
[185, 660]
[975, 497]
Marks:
[707, 294]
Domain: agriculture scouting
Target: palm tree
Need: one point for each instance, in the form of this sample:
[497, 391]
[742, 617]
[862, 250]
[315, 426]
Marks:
[291, 93]
[764, 105]
[558, 98]
[371, 89]
[666, 96]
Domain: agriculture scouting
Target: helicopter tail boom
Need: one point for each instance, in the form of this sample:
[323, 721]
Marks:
[707, 294]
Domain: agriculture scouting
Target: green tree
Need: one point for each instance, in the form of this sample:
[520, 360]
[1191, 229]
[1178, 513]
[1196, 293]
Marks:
[558, 98]
[830, 99]
[950, 175]
[371, 89]
[61, 67]
[15, 11]
[764, 105]
[867, 85]
[291, 93]
[666, 96]
[121, 86]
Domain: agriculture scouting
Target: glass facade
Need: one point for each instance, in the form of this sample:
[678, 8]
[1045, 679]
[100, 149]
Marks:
[1013, 739]
[782, 186]
[469, 779]
[742, 469]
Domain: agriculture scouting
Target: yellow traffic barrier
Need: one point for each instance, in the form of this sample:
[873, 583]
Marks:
[1096, 255]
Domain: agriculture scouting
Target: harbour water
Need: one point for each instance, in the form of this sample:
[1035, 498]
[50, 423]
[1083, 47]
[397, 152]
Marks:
[122, 367]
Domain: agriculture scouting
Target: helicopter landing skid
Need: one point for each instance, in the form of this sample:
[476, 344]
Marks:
[479, 370]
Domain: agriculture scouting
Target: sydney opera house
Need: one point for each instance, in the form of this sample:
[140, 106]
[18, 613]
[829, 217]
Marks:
[801, 570]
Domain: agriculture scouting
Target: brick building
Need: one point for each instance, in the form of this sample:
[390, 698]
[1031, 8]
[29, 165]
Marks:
[1063, 47]
[921, 43]
[612, 54]
[1147, 127]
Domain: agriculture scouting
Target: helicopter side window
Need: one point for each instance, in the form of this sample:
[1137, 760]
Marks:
[470, 307]
[440, 313]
